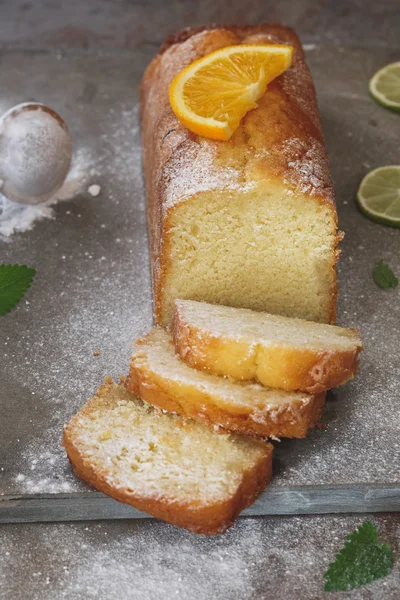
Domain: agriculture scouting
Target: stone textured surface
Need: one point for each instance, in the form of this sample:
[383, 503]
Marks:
[258, 559]
[125, 24]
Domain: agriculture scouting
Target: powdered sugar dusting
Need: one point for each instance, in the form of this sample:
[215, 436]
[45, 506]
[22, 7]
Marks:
[307, 167]
[93, 293]
[17, 218]
[94, 190]
[94, 563]
[257, 559]
[195, 170]
[41, 471]
[72, 372]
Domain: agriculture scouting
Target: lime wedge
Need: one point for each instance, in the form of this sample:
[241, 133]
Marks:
[379, 195]
[385, 86]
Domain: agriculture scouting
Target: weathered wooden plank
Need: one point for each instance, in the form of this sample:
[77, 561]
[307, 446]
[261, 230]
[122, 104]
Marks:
[296, 500]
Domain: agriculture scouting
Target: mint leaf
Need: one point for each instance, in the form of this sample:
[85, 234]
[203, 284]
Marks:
[14, 281]
[384, 276]
[361, 560]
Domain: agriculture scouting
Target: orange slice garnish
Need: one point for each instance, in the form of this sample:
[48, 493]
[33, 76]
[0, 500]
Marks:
[213, 94]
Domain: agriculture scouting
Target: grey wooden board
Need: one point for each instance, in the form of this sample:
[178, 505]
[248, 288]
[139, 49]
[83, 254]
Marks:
[301, 500]
[93, 288]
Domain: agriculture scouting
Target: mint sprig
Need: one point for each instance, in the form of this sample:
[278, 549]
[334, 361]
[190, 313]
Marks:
[14, 281]
[384, 276]
[361, 560]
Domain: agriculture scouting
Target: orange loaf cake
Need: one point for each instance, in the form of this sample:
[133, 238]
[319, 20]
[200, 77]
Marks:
[250, 222]
[159, 376]
[172, 468]
[280, 352]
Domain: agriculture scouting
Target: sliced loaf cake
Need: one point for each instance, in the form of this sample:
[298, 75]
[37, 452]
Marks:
[173, 468]
[280, 352]
[250, 222]
[160, 377]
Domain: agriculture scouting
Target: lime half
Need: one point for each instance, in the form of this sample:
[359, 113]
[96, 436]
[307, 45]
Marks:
[379, 195]
[385, 86]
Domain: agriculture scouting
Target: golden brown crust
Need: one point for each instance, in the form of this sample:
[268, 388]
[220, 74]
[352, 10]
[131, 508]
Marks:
[281, 141]
[277, 33]
[208, 520]
[292, 419]
[284, 367]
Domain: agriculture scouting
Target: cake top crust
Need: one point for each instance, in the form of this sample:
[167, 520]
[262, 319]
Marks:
[280, 142]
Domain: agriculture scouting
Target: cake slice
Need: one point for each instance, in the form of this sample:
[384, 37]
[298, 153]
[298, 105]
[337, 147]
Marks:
[159, 376]
[280, 352]
[173, 468]
[250, 222]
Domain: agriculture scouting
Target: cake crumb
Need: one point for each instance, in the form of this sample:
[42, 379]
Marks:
[96, 352]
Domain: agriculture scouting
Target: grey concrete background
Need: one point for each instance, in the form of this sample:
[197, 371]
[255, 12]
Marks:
[258, 558]
[266, 558]
[123, 24]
